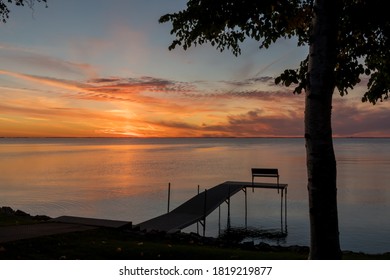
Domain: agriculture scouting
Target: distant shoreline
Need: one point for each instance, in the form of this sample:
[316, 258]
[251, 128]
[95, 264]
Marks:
[184, 137]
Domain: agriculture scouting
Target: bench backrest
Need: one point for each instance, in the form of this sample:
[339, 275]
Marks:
[265, 172]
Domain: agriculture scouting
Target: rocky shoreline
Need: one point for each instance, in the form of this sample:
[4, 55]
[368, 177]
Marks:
[226, 241]
[8, 211]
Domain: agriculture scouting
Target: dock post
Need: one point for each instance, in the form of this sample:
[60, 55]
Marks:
[246, 208]
[283, 192]
[219, 220]
[204, 212]
[228, 220]
[285, 208]
[197, 223]
[281, 210]
[169, 195]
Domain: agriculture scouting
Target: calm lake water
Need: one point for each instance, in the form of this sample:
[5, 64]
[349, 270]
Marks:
[127, 179]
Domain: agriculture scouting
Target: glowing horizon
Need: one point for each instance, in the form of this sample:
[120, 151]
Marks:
[114, 77]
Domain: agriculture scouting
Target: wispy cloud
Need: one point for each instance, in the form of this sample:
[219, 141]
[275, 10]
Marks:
[44, 81]
[251, 81]
[25, 59]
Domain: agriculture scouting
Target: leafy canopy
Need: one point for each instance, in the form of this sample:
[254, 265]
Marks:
[4, 10]
[363, 36]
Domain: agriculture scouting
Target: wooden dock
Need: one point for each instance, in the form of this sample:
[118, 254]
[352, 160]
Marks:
[92, 222]
[200, 206]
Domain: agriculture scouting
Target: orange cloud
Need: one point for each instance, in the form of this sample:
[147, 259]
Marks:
[162, 117]
[154, 107]
[351, 117]
[39, 80]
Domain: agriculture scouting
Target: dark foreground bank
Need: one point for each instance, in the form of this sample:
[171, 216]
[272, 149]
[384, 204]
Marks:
[114, 244]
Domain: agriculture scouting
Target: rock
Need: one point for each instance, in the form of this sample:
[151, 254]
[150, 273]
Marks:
[298, 249]
[41, 218]
[7, 210]
[248, 245]
[264, 246]
[21, 213]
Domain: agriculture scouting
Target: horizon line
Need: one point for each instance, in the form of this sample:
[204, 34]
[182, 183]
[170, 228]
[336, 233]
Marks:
[176, 137]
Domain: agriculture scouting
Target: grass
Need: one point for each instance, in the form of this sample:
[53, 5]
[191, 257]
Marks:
[116, 244]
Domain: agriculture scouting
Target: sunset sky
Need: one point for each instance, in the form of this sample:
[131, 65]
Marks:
[100, 68]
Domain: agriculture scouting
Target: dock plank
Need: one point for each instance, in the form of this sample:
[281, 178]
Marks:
[92, 222]
[195, 209]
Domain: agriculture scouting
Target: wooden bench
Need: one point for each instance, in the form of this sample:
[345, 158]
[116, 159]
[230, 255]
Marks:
[265, 172]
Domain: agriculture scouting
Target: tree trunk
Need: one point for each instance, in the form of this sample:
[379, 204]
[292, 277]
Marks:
[321, 162]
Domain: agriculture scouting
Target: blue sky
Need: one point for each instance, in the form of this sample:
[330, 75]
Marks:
[102, 68]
